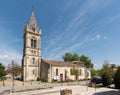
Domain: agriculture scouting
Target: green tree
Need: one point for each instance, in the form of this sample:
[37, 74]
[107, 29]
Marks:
[2, 73]
[74, 71]
[87, 61]
[75, 57]
[100, 72]
[117, 79]
[106, 79]
[67, 57]
[93, 73]
[106, 67]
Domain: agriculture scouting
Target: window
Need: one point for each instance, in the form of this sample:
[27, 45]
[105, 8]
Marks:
[33, 29]
[33, 60]
[71, 72]
[80, 72]
[33, 43]
[56, 72]
[33, 72]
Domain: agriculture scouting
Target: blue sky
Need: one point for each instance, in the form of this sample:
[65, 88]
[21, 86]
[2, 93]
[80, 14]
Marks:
[89, 27]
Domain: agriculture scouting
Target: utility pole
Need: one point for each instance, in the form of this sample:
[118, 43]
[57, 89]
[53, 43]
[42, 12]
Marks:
[13, 76]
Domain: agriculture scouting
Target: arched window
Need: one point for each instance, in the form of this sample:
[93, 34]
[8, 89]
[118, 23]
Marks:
[33, 60]
[56, 72]
[80, 72]
[33, 29]
[31, 42]
[34, 43]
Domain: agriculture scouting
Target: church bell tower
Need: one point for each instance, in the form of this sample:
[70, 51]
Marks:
[32, 50]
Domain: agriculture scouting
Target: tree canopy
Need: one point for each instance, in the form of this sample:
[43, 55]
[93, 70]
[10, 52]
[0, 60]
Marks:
[68, 57]
[107, 67]
[117, 79]
[87, 61]
[106, 80]
[2, 71]
[14, 69]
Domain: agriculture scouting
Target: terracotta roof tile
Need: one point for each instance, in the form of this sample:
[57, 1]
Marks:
[62, 64]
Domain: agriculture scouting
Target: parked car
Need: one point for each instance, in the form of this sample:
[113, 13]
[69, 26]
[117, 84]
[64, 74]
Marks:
[95, 80]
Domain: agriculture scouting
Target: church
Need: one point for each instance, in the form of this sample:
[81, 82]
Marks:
[34, 66]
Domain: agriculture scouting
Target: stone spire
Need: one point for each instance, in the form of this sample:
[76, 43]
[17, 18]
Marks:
[32, 25]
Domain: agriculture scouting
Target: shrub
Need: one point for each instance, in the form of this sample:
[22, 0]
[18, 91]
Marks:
[38, 78]
[106, 79]
[43, 79]
[117, 79]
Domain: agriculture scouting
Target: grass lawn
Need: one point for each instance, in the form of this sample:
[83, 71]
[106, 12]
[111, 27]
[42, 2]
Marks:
[99, 85]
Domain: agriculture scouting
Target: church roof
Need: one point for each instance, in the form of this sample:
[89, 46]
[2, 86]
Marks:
[63, 64]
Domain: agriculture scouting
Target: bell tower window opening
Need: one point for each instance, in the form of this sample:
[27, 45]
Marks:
[33, 60]
[33, 29]
[33, 43]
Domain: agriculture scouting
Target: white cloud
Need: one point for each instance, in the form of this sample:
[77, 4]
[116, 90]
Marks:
[56, 49]
[57, 53]
[7, 55]
[97, 37]
[105, 37]
[4, 56]
[67, 5]
[54, 41]
[111, 18]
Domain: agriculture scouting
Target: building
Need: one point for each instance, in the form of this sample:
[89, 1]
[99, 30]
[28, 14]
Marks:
[32, 50]
[62, 71]
[34, 66]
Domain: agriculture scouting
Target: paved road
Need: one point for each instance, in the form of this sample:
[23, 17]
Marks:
[76, 90]
[106, 91]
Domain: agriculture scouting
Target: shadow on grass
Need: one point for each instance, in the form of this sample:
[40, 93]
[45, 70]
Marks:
[112, 92]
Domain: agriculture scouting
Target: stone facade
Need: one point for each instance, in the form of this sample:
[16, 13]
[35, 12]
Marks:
[56, 70]
[32, 50]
